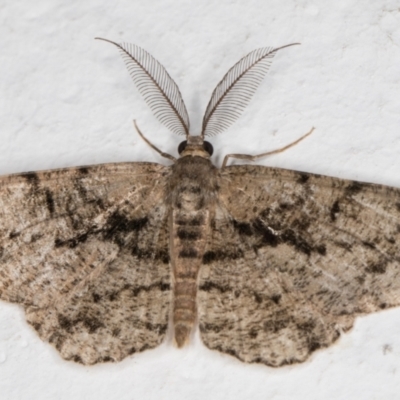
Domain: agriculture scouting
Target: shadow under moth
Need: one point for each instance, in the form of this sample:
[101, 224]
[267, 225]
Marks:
[271, 264]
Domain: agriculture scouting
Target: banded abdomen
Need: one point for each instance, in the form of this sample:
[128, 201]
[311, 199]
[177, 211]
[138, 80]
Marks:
[191, 207]
[189, 237]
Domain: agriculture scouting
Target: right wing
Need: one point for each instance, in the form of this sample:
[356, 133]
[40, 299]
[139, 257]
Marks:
[293, 259]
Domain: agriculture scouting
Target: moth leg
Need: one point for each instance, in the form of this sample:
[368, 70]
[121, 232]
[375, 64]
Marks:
[256, 157]
[166, 155]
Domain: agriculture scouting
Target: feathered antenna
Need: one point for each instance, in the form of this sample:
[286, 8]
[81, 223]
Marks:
[159, 90]
[234, 92]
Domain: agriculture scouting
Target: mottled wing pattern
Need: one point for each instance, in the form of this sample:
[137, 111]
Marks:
[292, 259]
[85, 252]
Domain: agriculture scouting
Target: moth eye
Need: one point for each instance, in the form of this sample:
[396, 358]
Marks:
[207, 146]
[182, 146]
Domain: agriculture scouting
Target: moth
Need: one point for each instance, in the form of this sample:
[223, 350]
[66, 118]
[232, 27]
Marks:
[271, 264]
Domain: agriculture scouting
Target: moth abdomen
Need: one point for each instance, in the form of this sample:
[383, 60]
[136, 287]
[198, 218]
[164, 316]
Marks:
[187, 249]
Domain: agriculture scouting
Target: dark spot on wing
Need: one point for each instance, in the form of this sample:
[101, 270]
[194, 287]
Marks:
[284, 207]
[257, 298]
[116, 332]
[344, 245]
[354, 188]
[49, 201]
[313, 344]
[158, 328]
[301, 224]
[73, 242]
[31, 177]
[150, 253]
[231, 352]
[119, 225]
[210, 328]
[161, 286]
[96, 297]
[253, 333]
[300, 244]
[92, 324]
[307, 326]
[162, 255]
[209, 257]
[145, 347]
[209, 286]
[369, 245]
[58, 340]
[219, 255]
[80, 189]
[275, 325]
[321, 249]
[376, 268]
[14, 234]
[243, 228]
[83, 170]
[77, 359]
[36, 326]
[335, 209]
[35, 237]
[294, 237]
[162, 329]
[65, 323]
[303, 177]
[268, 237]
[99, 203]
[113, 296]
[276, 298]
[360, 279]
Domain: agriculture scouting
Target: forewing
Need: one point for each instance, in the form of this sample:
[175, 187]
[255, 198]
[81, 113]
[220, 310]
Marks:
[85, 252]
[293, 258]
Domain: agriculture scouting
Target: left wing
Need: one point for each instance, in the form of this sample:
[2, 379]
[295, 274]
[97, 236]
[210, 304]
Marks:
[85, 252]
[293, 258]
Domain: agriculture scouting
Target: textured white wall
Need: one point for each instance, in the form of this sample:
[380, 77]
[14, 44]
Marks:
[67, 100]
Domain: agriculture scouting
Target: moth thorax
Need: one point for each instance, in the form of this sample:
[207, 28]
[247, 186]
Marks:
[195, 146]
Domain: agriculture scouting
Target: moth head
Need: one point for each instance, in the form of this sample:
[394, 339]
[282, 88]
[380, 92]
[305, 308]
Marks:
[195, 146]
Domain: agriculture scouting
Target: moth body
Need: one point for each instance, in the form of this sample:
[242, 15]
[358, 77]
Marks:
[191, 191]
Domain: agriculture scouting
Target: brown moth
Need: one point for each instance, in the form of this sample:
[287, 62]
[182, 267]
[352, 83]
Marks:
[273, 264]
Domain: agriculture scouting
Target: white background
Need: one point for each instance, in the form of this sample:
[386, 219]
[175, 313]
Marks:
[66, 100]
